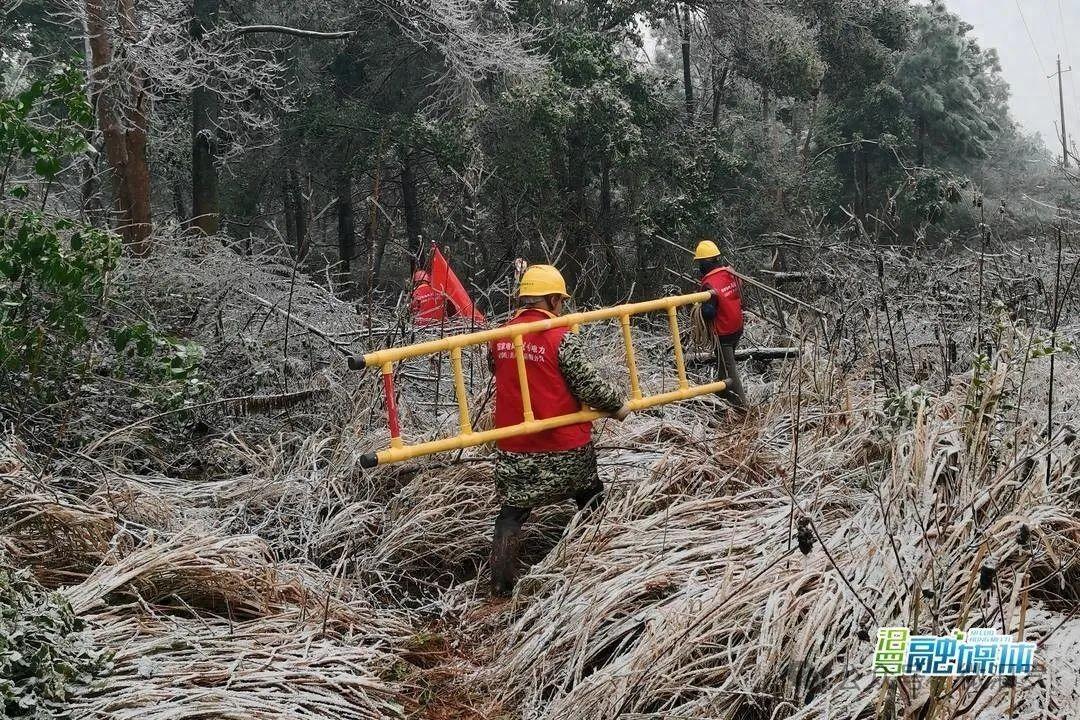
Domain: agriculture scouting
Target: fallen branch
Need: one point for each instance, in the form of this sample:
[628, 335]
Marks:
[336, 344]
[781, 276]
[767, 353]
[782, 295]
[242, 404]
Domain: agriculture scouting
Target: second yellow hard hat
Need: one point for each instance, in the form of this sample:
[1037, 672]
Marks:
[541, 280]
[706, 250]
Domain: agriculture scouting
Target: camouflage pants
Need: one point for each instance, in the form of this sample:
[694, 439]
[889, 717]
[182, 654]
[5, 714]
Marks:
[727, 369]
[528, 480]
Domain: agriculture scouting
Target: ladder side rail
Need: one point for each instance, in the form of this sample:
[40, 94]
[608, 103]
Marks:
[459, 442]
[380, 357]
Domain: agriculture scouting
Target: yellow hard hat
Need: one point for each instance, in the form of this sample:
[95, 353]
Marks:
[541, 280]
[706, 249]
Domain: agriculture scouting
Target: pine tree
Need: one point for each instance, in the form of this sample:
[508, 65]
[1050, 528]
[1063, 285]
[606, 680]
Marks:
[942, 76]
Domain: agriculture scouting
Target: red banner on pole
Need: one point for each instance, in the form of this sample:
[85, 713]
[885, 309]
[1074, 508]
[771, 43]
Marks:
[444, 281]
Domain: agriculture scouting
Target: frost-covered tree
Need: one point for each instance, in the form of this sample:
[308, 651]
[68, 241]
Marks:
[944, 78]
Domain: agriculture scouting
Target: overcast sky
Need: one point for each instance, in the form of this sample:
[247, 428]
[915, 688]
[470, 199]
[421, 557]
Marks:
[1026, 61]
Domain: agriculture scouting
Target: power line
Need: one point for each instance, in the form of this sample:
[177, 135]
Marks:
[1038, 57]
[1030, 37]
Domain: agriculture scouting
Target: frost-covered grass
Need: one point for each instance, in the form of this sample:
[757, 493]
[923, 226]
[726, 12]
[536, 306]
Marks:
[253, 569]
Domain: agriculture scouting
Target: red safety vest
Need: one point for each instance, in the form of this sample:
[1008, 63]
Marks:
[548, 392]
[729, 316]
[428, 305]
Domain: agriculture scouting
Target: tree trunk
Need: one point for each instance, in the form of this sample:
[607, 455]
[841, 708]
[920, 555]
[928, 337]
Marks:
[718, 94]
[804, 158]
[410, 205]
[179, 208]
[866, 177]
[125, 149]
[688, 86]
[856, 176]
[606, 236]
[346, 226]
[205, 111]
[771, 137]
[379, 241]
[633, 186]
[300, 218]
[605, 199]
[371, 230]
[577, 228]
[137, 141]
[795, 128]
[921, 140]
[92, 210]
[288, 210]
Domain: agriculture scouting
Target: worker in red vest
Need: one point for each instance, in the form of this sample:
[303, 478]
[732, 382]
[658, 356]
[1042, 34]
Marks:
[428, 305]
[724, 314]
[553, 465]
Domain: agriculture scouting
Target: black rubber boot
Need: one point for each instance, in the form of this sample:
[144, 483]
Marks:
[589, 499]
[504, 549]
[728, 371]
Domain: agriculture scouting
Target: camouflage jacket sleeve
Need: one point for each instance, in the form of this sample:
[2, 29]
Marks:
[584, 381]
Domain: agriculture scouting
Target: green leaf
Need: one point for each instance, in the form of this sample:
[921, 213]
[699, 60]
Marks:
[47, 166]
[121, 339]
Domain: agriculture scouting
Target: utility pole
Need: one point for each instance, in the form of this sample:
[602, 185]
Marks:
[1061, 104]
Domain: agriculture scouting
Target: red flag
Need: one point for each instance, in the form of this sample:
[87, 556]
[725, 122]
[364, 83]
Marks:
[444, 280]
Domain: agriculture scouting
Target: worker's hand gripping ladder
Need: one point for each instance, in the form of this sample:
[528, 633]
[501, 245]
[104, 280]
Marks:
[385, 359]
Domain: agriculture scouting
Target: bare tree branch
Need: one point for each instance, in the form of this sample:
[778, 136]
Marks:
[298, 32]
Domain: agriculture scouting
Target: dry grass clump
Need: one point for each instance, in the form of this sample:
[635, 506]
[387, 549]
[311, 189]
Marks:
[55, 534]
[170, 666]
[233, 575]
[437, 528]
[211, 626]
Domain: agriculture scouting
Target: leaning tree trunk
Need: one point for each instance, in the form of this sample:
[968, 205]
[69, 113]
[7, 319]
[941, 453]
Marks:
[122, 110]
[205, 111]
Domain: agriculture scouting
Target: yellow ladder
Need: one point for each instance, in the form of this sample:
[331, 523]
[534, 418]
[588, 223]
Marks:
[385, 359]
